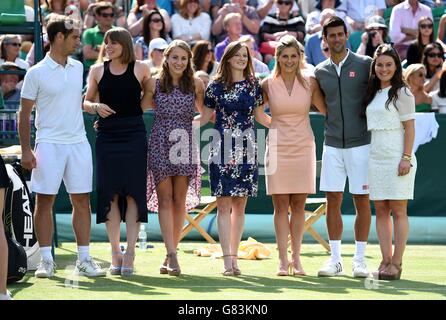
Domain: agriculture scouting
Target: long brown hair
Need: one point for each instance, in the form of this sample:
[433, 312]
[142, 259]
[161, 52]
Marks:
[397, 82]
[146, 26]
[199, 52]
[187, 84]
[290, 42]
[427, 50]
[183, 9]
[224, 74]
[419, 38]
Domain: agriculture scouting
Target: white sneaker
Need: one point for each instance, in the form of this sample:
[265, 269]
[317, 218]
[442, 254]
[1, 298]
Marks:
[6, 296]
[331, 269]
[360, 269]
[89, 268]
[45, 269]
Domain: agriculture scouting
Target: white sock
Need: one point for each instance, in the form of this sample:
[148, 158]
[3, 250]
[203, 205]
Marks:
[46, 253]
[83, 253]
[335, 247]
[360, 250]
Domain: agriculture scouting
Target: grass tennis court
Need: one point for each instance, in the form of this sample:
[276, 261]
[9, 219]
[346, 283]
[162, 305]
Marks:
[424, 277]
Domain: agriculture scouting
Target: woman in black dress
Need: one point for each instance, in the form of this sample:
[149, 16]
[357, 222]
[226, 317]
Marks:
[121, 158]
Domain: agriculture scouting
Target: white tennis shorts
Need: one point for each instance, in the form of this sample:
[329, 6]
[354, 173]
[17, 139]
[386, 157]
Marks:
[71, 163]
[338, 164]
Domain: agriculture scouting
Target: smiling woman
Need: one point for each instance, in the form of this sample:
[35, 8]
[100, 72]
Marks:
[290, 156]
[174, 178]
[392, 165]
[236, 97]
[121, 139]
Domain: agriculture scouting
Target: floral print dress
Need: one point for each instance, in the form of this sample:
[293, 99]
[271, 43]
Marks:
[233, 168]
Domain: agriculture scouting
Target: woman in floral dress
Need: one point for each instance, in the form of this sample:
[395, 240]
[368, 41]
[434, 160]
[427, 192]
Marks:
[236, 97]
[174, 180]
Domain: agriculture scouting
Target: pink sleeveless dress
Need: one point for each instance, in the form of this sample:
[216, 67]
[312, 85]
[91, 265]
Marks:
[290, 156]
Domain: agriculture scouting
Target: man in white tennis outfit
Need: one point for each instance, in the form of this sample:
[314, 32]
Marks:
[61, 152]
[343, 79]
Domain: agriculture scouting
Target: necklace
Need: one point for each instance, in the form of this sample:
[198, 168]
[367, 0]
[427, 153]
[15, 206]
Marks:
[289, 88]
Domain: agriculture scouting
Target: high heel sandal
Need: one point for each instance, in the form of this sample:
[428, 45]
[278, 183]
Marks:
[116, 270]
[128, 271]
[228, 271]
[163, 267]
[385, 275]
[281, 272]
[175, 271]
[295, 271]
[235, 269]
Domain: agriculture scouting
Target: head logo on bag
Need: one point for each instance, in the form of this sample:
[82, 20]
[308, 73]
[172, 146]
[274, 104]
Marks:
[19, 208]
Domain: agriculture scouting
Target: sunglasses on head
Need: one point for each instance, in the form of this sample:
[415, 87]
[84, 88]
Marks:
[426, 26]
[286, 3]
[14, 44]
[435, 55]
[108, 15]
[156, 20]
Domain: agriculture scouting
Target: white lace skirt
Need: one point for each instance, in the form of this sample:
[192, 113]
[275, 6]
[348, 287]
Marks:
[385, 155]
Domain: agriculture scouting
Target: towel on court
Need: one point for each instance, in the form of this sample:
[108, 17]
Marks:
[248, 250]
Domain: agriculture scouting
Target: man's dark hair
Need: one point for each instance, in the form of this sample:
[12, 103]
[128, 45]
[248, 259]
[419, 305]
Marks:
[60, 23]
[101, 6]
[333, 22]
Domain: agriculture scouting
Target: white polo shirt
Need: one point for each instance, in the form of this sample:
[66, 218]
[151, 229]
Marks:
[57, 92]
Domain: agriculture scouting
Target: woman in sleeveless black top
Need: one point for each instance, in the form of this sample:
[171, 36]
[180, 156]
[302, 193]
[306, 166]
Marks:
[121, 144]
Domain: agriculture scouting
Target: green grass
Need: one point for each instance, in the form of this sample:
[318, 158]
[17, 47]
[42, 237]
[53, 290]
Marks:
[424, 277]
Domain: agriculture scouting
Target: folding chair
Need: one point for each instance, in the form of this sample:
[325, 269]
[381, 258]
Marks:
[209, 204]
[312, 216]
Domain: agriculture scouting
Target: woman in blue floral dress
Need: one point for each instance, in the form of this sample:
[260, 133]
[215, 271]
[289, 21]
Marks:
[236, 97]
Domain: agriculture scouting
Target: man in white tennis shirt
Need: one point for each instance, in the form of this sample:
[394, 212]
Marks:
[62, 152]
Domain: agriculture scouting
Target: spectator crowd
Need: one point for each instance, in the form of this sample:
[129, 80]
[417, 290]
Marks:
[208, 26]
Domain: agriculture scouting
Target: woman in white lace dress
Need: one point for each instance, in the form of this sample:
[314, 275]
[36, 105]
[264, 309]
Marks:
[392, 166]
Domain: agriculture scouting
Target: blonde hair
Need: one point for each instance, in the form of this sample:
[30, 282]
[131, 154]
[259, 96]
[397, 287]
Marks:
[413, 68]
[290, 42]
[123, 37]
[228, 17]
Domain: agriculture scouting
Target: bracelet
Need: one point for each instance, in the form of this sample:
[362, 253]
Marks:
[406, 157]
[95, 107]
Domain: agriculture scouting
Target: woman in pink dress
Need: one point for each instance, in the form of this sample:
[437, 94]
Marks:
[290, 156]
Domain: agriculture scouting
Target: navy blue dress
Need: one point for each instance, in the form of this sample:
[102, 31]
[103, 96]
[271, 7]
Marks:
[233, 168]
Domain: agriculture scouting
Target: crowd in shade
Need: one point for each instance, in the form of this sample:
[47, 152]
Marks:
[410, 26]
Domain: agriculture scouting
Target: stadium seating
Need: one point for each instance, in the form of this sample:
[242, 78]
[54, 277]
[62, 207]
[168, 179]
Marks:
[12, 12]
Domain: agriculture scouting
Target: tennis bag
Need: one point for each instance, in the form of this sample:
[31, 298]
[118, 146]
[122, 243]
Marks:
[18, 213]
[17, 261]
